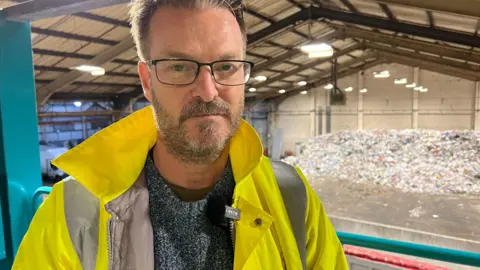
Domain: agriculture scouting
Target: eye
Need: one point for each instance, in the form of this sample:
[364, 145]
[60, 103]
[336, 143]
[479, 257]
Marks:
[178, 68]
[226, 67]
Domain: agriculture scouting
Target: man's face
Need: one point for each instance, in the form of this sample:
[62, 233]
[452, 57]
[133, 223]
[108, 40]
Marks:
[195, 121]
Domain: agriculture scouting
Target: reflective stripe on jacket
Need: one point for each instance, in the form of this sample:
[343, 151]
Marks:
[98, 217]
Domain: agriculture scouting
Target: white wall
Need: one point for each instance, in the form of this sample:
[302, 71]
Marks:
[448, 104]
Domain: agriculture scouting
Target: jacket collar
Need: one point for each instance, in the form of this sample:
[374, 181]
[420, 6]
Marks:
[109, 162]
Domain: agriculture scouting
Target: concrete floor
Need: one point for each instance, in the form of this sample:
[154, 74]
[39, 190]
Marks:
[449, 214]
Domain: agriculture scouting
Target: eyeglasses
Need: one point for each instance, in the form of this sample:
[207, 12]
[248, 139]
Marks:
[185, 71]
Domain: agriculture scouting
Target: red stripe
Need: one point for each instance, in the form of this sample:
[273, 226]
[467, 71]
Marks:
[389, 259]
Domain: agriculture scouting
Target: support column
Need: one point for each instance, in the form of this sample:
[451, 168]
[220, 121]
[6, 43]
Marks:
[476, 108]
[313, 112]
[416, 81]
[325, 110]
[84, 127]
[360, 100]
[19, 145]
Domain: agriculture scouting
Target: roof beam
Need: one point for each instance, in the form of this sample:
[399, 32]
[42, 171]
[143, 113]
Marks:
[347, 71]
[99, 84]
[432, 66]
[293, 52]
[461, 7]
[369, 21]
[312, 64]
[471, 70]
[45, 92]
[65, 70]
[416, 45]
[60, 34]
[280, 25]
[80, 56]
[349, 5]
[396, 26]
[387, 11]
[314, 78]
[74, 96]
[103, 19]
[34, 10]
[431, 20]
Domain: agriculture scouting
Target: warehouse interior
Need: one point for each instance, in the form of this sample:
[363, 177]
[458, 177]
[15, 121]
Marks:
[384, 66]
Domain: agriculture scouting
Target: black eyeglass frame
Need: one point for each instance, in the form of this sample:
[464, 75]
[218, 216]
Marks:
[153, 63]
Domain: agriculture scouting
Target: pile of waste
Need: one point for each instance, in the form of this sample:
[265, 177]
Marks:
[425, 161]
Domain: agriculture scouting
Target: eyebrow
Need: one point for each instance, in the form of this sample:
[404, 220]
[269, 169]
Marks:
[181, 55]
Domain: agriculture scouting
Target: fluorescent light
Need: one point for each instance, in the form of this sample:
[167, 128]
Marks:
[329, 86]
[261, 78]
[349, 89]
[401, 81]
[320, 54]
[423, 90]
[316, 47]
[364, 90]
[302, 83]
[88, 68]
[252, 89]
[383, 74]
[77, 103]
[413, 85]
[99, 72]
[418, 88]
[281, 91]
[303, 92]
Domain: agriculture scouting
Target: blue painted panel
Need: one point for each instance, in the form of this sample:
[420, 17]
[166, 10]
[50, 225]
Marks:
[19, 130]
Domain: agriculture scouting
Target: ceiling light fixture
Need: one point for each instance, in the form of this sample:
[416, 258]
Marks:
[317, 50]
[401, 81]
[252, 89]
[303, 92]
[383, 74]
[423, 90]
[349, 89]
[77, 103]
[302, 83]
[413, 85]
[364, 90]
[328, 86]
[99, 72]
[260, 78]
[281, 91]
[418, 88]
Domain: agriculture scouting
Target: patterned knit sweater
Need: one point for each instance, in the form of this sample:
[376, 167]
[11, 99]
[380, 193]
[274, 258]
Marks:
[184, 238]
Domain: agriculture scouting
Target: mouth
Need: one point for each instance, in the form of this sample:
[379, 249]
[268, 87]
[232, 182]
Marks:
[207, 116]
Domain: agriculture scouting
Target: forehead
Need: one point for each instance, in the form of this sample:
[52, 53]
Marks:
[203, 34]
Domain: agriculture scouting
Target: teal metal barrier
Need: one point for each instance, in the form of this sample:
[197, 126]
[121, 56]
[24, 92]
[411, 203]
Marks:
[406, 248]
[39, 196]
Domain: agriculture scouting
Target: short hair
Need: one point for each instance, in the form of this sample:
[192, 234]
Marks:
[141, 13]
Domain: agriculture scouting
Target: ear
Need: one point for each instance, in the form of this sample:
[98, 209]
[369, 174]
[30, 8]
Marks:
[145, 79]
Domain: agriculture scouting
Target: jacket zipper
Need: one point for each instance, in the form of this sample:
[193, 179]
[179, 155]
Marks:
[109, 244]
[232, 233]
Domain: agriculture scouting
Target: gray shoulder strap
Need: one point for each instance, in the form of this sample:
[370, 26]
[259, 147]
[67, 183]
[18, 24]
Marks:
[295, 199]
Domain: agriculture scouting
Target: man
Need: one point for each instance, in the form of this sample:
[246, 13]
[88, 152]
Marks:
[141, 192]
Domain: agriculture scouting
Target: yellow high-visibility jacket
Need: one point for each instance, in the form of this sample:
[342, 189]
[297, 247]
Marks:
[98, 217]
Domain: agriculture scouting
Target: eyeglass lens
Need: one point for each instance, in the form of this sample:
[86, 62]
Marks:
[181, 72]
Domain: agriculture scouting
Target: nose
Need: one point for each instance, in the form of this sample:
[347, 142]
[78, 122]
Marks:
[205, 86]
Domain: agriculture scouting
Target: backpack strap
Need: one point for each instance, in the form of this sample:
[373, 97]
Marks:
[294, 197]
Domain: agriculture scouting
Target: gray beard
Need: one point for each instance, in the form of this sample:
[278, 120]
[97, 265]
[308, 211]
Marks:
[188, 149]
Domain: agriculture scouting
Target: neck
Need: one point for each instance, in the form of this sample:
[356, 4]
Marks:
[187, 175]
